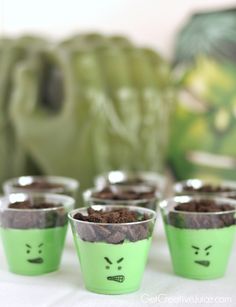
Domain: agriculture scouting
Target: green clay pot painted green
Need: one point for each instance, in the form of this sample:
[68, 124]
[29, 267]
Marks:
[200, 253]
[112, 268]
[33, 251]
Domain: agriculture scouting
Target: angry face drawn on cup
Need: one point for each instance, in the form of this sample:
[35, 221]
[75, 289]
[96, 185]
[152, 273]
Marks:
[33, 229]
[203, 253]
[37, 259]
[117, 265]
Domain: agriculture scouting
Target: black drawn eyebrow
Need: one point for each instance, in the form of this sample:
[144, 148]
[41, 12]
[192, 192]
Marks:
[195, 247]
[108, 260]
[28, 245]
[41, 244]
[121, 259]
[207, 247]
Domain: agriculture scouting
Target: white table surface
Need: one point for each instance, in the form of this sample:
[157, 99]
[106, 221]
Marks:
[159, 287]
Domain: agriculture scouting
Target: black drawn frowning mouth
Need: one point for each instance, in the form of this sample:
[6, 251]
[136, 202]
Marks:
[203, 262]
[36, 260]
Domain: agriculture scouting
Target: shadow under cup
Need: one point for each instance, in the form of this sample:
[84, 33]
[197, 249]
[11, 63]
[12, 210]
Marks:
[33, 239]
[200, 243]
[113, 256]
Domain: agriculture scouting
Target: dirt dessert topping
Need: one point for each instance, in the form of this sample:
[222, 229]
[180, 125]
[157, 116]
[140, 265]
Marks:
[213, 215]
[113, 229]
[125, 193]
[40, 214]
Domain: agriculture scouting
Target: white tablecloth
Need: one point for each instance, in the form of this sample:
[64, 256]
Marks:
[159, 287]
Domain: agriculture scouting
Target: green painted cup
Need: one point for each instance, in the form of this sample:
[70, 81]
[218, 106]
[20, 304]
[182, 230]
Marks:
[33, 239]
[112, 256]
[200, 243]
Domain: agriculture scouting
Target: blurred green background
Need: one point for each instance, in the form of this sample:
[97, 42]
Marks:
[92, 102]
[82, 106]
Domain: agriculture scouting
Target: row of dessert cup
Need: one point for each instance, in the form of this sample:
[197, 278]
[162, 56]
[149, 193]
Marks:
[33, 242]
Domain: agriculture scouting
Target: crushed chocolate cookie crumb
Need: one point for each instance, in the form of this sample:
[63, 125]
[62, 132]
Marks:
[208, 188]
[29, 205]
[180, 219]
[30, 216]
[110, 233]
[124, 194]
[205, 205]
[119, 215]
[40, 185]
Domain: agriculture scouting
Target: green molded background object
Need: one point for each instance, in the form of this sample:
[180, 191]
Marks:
[84, 106]
[33, 251]
[200, 253]
[204, 125]
[112, 268]
[15, 160]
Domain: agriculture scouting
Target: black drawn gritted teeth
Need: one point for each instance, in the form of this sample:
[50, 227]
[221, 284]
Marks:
[117, 278]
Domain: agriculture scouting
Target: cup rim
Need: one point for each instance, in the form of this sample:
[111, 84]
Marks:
[134, 208]
[87, 196]
[164, 204]
[70, 184]
[156, 178]
[67, 202]
[178, 187]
